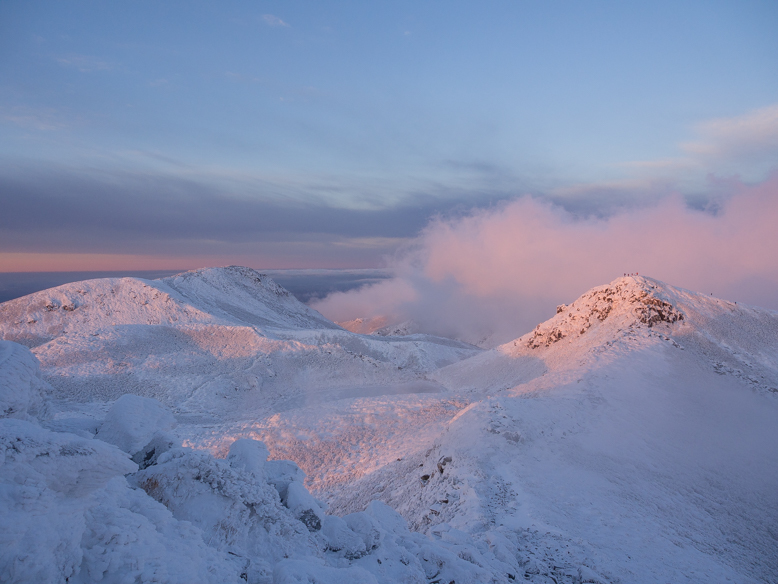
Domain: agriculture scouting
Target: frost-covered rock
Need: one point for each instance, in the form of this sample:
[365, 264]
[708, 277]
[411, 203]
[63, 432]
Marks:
[64, 463]
[366, 527]
[387, 518]
[235, 511]
[249, 455]
[160, 443]
[133, 421]
[341, 538]
[280, 473]
[67, 514]
[21, 385]
[303, 506]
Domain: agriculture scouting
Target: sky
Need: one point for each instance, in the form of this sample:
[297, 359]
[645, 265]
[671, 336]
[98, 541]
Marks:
[146, 135]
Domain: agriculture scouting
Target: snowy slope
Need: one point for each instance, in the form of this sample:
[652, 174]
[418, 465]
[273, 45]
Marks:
[101, 508]
[221, 296]
[637, 430]
[203, 337]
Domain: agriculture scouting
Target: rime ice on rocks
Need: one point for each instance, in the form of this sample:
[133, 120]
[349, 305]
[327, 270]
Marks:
[632, 301]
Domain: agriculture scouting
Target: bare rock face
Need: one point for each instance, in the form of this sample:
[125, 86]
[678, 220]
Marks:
[636, 300]
[655, 310]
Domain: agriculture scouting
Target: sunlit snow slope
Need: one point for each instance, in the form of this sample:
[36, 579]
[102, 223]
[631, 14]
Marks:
[639, 426]
[125, 502]
[215, 342]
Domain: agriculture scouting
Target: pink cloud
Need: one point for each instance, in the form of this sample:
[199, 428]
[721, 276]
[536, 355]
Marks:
[503, 270]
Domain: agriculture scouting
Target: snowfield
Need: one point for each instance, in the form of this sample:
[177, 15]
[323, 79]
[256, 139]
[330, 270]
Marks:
[208, 427]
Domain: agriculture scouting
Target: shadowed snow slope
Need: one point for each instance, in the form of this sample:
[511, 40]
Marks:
[632, 438]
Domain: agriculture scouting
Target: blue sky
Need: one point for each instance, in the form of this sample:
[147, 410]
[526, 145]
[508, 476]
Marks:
[326, 134]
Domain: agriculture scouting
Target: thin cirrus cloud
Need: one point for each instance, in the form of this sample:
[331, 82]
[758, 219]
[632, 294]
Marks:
[84, 63]
[30, 118]
[741, 144]
[271, 20]
[753, 133]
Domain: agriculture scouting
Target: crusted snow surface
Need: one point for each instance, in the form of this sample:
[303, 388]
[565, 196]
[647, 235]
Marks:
[633, 437]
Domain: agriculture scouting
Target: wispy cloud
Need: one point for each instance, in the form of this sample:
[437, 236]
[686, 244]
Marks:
[740, 145]
[84, 63]
[756, 131]
[44, 119]
[271, 20]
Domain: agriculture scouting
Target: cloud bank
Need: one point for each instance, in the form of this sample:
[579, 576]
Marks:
[500, 271]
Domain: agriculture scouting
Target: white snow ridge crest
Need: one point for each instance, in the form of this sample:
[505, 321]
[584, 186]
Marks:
[633, 437]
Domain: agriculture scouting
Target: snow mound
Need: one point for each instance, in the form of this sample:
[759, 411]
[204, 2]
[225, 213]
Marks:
[133, 421]
[215, 296]
[21, 385]
[245, 296]
[72, 512]
[204, 341]
[78, 509]
[69, 515]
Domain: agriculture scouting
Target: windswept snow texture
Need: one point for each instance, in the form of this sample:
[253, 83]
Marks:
[631, 438]
[77, 509]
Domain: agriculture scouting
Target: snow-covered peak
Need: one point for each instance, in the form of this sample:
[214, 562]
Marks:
[625, 302]
[735, 339]
[245, 296]
[223, 296]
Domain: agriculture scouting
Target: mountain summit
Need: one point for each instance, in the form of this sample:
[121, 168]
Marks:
[629, 302]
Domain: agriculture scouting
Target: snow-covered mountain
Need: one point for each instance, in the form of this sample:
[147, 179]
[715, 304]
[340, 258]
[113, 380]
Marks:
[641, 423]
[226, 335]
[631, 438]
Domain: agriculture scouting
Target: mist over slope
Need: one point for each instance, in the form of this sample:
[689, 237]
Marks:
[633, 437]
[489, 275]
[640, 421]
